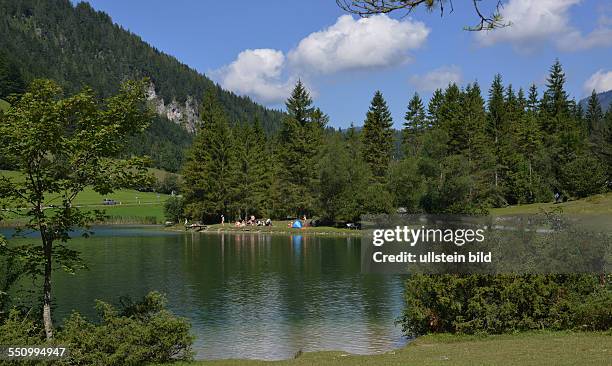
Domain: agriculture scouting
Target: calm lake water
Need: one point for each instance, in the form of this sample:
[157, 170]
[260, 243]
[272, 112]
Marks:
[246, 295]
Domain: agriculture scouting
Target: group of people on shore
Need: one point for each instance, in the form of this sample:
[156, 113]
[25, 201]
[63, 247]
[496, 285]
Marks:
[250, 221]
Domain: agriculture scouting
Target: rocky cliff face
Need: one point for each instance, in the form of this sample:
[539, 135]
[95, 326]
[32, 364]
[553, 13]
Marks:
[184, 114]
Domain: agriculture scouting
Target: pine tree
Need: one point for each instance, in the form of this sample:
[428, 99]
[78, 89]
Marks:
[594, 115]
[300, 143]
[377, 137]
[433, 109]
[532, 100]
[250, 171]
[555, 101]
[496, 127]
[11, 80]
[414, 126]
[496, 109]
[208, 172]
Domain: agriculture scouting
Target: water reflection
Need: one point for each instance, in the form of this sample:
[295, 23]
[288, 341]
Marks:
[247, 295]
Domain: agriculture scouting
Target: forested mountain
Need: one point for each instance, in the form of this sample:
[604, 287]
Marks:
[605, 100]
[76, 45]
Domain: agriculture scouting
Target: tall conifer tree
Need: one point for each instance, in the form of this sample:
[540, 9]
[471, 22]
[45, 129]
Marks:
[377, 137]
[208, 172]
[414, 127]
[300, 143]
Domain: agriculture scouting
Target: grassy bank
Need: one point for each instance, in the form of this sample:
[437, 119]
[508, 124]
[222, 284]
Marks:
[135, 207]
[600, 204]
[278, 227]
[542, 348]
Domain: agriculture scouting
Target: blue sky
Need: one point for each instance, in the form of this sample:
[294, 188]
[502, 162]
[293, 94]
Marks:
[259, 48]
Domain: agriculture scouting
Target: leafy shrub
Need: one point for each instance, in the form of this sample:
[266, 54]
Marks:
[504, 303]
[20, 330]
[143, 332]
[173, 209]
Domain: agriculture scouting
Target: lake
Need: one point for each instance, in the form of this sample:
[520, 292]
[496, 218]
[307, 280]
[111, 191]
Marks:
[246, 295]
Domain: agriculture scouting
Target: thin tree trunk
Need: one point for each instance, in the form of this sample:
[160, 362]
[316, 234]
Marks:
[47, 321]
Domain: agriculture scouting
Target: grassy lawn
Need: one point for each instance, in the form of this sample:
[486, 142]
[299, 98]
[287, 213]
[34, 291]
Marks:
[135, 207]
[546, 348]
[4, 105]
[600, 204]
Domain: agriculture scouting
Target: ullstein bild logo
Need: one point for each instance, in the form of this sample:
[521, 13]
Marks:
[439, 244]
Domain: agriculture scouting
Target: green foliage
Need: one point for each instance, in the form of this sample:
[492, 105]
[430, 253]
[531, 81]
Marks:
[406, 184]
[61, 145]
[20, 329]
[505, 303]
[164, 142]
[137, 333]
[75, 45]
[377, 137]
[11, 270]
[583, 176]
[300, 140]
[168, 184]
[11, 81]
[414, 126]
[142, 332]
[343, 178]
[208, 173]
[174, 209]
[251, 173]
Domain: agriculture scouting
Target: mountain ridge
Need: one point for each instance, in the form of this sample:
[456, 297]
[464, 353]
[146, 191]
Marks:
[77, 45]
[605, 99]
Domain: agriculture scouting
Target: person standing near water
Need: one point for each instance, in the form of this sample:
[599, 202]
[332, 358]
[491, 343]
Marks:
[222, 220]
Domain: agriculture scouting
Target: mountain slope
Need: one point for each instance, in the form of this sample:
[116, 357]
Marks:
[76, 46]
[605, 99]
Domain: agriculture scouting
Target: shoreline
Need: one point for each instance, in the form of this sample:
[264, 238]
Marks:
[277, 229]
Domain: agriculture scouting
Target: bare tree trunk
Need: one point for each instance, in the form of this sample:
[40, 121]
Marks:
[47, 321]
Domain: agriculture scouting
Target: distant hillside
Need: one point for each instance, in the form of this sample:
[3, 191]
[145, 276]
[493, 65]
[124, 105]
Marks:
[77, 46]
[605, 99]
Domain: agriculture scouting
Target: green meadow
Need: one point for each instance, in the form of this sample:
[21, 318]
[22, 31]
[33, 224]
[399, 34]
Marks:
[535, 349]
[132, 206]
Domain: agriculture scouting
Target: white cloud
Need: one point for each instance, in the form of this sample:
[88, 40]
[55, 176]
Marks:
[600, 81]
[534, 22]
[377, 41]
[574, 40]
[438, 78]
[257, 73]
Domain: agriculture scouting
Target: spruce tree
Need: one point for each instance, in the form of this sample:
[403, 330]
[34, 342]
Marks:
[377, 137]
[496, 125]
[208, 173]
[414, 126]
[594, 115]
[555, 101]
[532, 99]
[496, 109]
[300, 143]
[250, 171]
[433, 108]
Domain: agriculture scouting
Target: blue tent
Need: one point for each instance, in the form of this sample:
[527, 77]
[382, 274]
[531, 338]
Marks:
[297, 224]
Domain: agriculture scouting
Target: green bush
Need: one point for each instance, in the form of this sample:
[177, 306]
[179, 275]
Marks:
[20, 330]
[505, 303]
[143, 332]
[173, 209]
